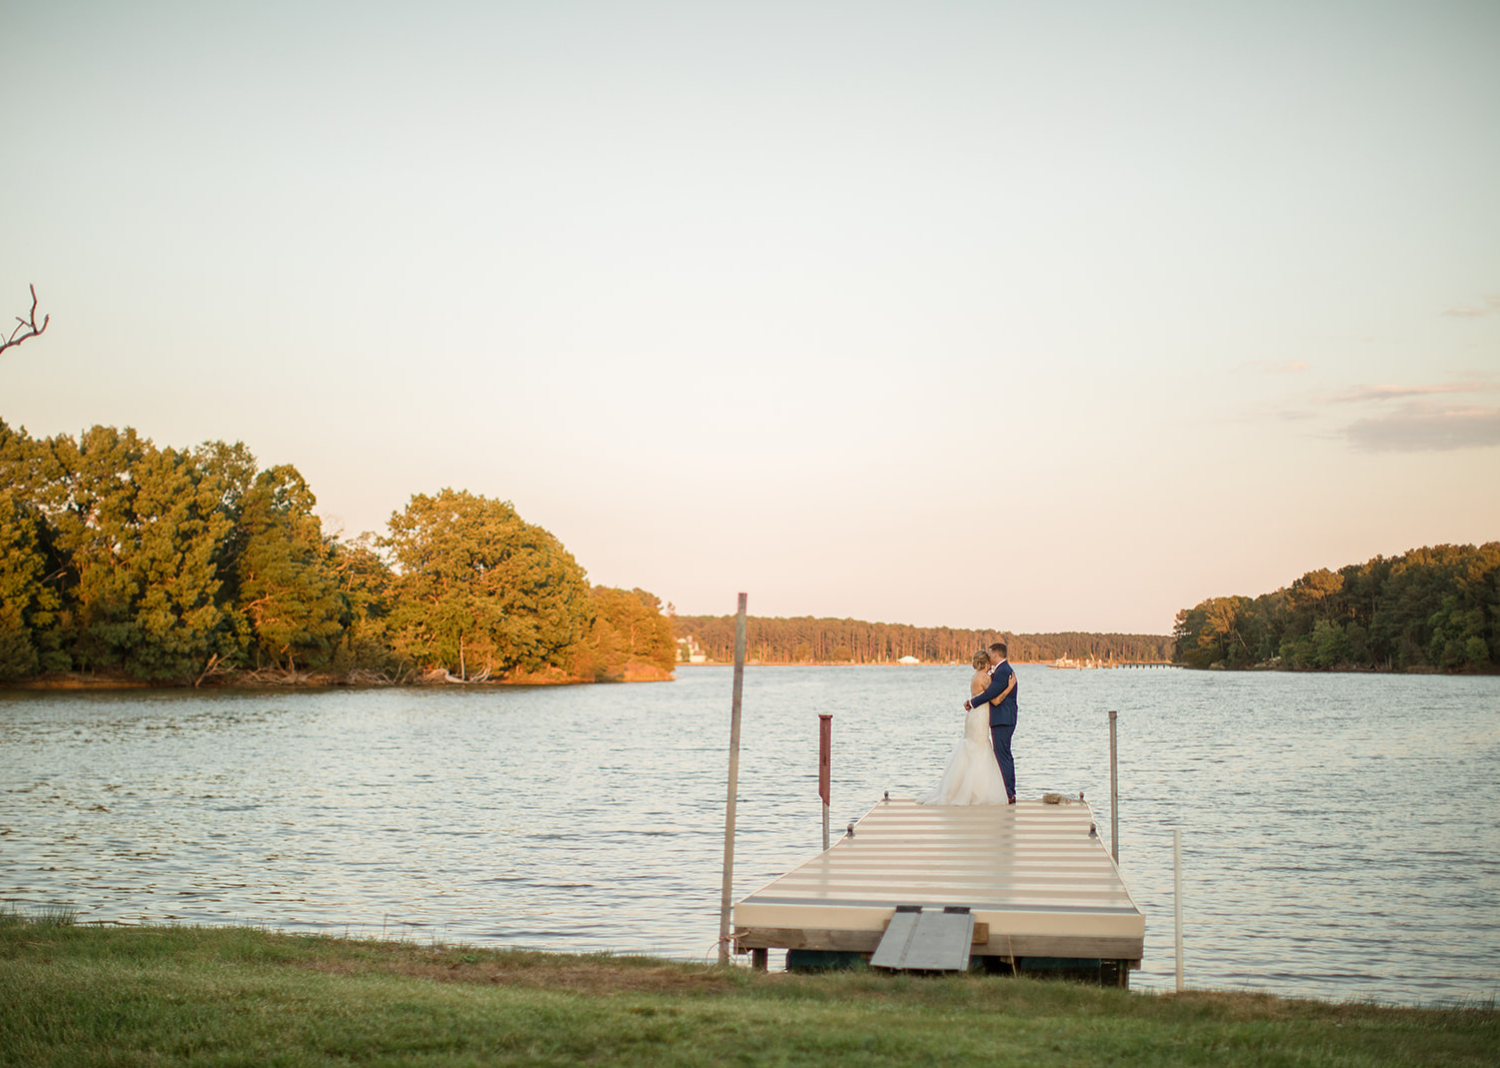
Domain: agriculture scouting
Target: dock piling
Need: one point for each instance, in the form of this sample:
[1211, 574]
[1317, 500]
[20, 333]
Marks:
[734, 782]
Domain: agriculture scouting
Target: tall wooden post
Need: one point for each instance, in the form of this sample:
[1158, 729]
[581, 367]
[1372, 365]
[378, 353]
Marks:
[1114, 793]
[825, 767]
[734, 782]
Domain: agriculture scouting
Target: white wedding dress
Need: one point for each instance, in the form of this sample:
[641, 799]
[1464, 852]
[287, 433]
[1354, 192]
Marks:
[972, 776]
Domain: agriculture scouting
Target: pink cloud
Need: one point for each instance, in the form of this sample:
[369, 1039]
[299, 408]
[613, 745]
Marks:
[1426, 427]
[1490, 304]
[1470, 383]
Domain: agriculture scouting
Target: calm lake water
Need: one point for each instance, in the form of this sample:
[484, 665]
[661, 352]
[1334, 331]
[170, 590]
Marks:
[1339, 831]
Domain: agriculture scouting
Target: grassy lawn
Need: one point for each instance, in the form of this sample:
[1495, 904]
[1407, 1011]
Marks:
[74, 995]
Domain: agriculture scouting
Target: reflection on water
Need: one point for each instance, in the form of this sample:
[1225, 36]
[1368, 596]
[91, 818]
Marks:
[1339, 831]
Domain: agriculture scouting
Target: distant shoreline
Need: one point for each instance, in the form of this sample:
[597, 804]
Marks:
[850, 663]
[282, 681]
[313, 680]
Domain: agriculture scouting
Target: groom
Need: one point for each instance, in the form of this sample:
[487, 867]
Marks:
[1002, 714]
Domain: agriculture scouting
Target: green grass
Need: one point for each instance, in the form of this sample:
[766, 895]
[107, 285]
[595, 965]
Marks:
[73, 995]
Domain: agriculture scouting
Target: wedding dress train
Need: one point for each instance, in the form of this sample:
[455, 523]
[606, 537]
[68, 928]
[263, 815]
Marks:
[972, 776]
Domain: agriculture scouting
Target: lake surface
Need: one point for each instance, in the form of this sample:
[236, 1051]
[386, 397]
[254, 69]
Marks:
[1340, 832]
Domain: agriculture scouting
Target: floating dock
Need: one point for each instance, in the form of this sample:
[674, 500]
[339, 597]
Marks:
[1043, 892]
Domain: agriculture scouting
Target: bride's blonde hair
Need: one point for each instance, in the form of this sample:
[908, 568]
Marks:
[981, 660]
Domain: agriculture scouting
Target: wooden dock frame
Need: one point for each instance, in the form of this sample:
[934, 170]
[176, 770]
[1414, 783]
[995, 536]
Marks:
[1045, 893]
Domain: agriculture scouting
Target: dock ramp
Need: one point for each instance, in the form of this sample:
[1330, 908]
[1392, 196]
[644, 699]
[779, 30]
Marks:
[918, 940]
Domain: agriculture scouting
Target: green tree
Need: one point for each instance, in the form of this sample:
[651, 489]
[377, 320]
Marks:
[648, 630]
[27, 604]
[364, 582]
[475, 585]
[180, 624]
[1316, 594]
[1297, 651]
[1436, 606]
[142, 531]
[286, 585]
[1213, 633]
[31, 608]
[1330, 646]
[1458, 638]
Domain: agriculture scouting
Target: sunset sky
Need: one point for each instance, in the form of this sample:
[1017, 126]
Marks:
[1018, 316]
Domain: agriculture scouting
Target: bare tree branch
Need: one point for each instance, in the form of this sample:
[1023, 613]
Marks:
[26, 328]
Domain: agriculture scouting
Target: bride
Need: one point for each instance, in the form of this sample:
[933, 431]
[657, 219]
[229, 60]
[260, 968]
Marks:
[972, 776]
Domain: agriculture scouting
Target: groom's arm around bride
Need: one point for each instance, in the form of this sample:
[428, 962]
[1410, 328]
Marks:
[1002, 680]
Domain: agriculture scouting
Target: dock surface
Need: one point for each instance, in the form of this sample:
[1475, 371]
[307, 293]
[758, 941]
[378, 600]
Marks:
[1038, 885]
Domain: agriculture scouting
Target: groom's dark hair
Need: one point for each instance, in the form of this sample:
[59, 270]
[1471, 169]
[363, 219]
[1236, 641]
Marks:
[999, 647]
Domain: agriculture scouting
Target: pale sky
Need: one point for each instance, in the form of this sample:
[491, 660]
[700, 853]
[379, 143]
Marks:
[1025, 316]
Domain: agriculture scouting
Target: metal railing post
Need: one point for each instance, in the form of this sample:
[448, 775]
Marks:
[825, 767]
[1114, 792]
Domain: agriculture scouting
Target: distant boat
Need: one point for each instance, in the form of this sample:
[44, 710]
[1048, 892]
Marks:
[1076, 665]
[908, 660]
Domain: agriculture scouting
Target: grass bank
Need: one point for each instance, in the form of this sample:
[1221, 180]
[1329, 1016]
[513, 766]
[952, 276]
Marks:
[237, 996]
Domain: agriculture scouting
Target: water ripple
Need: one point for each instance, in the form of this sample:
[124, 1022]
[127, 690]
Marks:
[1339, 835]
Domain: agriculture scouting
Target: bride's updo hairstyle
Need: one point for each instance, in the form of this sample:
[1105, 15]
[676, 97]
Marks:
[981, 660]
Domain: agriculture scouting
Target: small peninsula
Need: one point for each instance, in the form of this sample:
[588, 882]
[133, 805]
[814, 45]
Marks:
[1431, 609]
[123, 563]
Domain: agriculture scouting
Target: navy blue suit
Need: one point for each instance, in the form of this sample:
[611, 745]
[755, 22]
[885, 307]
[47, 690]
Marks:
[1002, 720]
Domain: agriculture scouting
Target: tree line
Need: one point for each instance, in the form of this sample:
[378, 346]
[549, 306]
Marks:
[1431, 609]
[184, 565]
[804, 639]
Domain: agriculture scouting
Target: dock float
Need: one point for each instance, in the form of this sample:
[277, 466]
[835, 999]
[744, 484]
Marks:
[1043, 891]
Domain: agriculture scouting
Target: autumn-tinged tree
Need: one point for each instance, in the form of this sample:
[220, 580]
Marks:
[628, 629]
[143, 531]
[28, 606]
[364, 583]
[131, 539]
[479, 591]
[286, 585]
[171, 565]
[1214, 632]
[29, 588]
[636, 616]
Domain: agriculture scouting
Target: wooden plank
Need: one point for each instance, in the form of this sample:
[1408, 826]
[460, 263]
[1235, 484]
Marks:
[874, 916]
[799, 938]
[1035, 881]
[1062, 946]
[996, 945]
